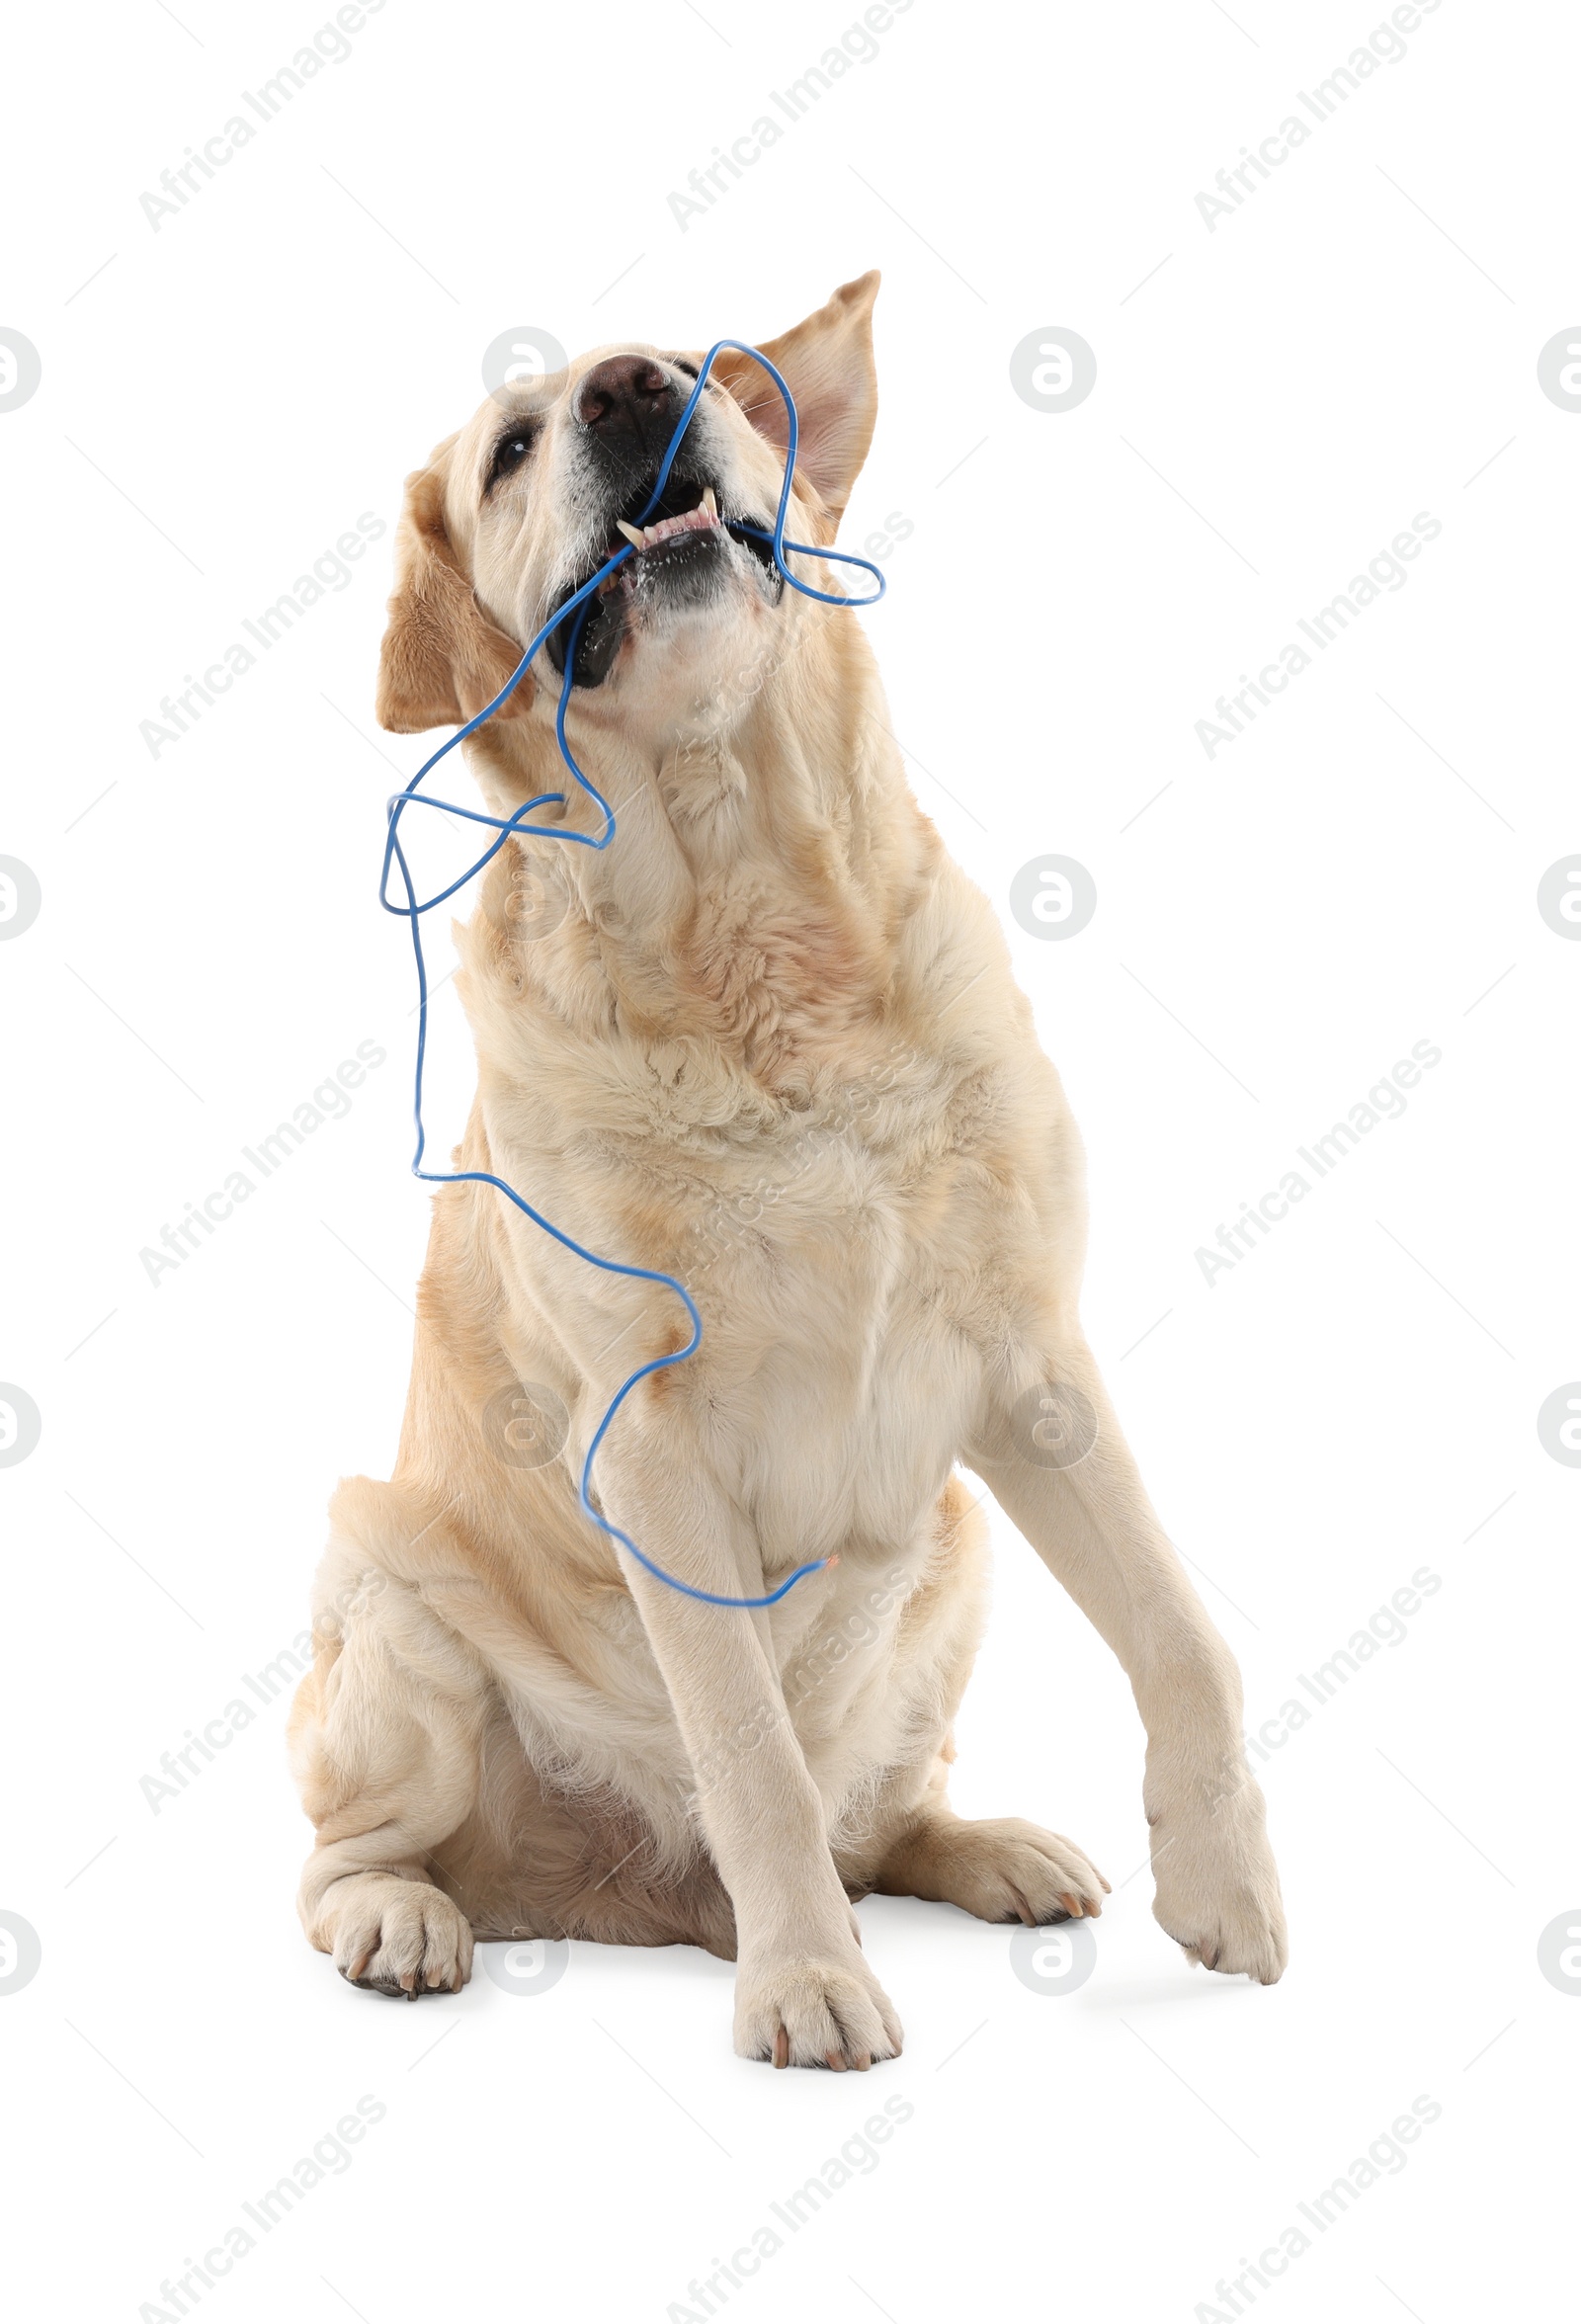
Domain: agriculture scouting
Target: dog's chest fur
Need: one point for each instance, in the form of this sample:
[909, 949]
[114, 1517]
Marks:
[750, 1104]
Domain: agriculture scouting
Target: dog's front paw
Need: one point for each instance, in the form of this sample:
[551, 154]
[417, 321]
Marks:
[1218, 1888]
[1238, 1931]
[821, 2008]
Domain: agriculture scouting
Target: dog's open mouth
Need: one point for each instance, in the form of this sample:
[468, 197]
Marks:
[680, 551]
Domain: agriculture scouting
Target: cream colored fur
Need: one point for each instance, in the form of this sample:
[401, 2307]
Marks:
[769, 1042]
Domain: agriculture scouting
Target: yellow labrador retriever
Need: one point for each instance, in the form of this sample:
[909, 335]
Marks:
[769, 1041]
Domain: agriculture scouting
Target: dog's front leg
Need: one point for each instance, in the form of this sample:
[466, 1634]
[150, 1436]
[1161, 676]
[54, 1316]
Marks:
[805, 1994]
[1058, 1465]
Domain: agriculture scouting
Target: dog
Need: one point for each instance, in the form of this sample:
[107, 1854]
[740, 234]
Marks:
[768, 1041]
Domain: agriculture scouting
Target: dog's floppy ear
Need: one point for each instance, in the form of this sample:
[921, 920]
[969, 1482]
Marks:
[442, 658]
[827, 363]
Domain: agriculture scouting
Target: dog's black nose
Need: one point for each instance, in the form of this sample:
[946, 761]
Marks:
[621, 392]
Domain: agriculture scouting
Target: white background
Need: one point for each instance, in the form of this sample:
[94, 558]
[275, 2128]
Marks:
[1276, 399]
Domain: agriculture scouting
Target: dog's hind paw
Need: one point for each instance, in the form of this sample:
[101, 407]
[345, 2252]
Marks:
[403, 1938]
[1001, 1868]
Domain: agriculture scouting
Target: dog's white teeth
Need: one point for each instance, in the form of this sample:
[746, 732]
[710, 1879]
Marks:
[706, 512]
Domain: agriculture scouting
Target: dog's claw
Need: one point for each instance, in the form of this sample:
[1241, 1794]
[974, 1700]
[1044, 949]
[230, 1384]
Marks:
[781, 2048]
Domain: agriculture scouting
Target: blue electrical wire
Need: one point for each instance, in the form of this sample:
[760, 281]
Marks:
[507, 827]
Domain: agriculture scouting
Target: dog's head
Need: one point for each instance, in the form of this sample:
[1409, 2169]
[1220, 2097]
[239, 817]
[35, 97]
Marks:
[515, 512]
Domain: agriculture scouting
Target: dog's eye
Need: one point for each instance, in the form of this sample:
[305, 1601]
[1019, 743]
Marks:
[509, 451]
[690, 370]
